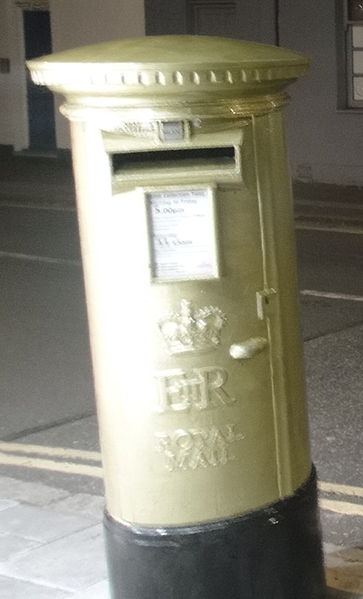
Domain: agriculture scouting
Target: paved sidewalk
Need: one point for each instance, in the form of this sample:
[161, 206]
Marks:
[51, 547]
[51, 543]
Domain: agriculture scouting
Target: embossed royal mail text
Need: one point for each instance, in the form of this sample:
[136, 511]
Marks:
[198, 388]
[198, 448]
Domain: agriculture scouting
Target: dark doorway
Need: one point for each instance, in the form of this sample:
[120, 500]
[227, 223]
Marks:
[37, 39]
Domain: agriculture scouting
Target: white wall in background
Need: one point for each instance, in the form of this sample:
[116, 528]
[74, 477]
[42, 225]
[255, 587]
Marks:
[73, 23]
[325, 144]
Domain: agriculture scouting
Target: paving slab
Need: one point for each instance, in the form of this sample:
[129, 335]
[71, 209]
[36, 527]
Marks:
[6, 503]
[10, 588]
[39, 524]
[34, 493]
[13, 546]
[83, 504]
[72, 563]
[97, 591]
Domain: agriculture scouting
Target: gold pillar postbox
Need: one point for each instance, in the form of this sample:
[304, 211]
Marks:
[187, 242]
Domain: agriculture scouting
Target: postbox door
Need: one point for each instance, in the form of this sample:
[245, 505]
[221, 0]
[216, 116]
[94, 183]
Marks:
[215, 399]
[207, 404]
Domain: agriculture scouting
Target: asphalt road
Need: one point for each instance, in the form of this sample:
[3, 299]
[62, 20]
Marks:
[330, 261]
[46, 383]
[48, 233]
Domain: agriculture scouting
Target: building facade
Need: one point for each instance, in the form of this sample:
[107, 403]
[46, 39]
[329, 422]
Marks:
[29, 115]
[324, 121]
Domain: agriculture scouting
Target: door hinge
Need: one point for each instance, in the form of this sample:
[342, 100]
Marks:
[265, 302]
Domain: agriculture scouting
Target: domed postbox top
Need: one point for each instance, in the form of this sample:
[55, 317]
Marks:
[166, 65]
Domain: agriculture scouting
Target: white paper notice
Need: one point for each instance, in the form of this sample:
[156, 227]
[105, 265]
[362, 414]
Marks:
[182, 231]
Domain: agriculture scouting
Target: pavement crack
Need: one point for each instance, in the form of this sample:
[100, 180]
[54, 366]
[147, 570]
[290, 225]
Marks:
[45, 427]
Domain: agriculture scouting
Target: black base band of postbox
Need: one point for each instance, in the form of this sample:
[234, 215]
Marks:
[271, 553]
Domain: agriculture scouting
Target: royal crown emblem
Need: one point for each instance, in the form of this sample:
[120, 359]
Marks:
[192, 330]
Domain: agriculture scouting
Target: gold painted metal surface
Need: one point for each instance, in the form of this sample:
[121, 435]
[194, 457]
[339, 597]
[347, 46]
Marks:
[245, 350]
[161, 64]
[195, 76]
[199, 379]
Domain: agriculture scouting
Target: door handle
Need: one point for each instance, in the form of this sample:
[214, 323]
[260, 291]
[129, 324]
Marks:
[248, 349]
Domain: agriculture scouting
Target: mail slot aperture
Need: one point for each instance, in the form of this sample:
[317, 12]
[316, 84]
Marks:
[128, 166]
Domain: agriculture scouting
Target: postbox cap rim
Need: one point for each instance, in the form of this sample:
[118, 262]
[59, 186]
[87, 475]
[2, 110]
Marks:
[164, 65]
[177, 50]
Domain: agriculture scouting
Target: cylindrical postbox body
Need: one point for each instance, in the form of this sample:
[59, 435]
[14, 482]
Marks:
[188, 251]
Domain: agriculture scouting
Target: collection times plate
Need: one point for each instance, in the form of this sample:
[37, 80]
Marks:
[182, 230]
